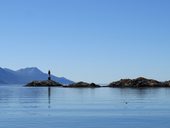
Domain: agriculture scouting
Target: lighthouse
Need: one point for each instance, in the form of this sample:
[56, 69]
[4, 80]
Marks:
[49, 75]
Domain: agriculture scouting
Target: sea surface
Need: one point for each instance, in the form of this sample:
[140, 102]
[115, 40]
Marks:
[22, 107]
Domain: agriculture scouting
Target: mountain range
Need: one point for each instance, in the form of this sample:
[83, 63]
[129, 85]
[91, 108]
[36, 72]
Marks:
[26, 75]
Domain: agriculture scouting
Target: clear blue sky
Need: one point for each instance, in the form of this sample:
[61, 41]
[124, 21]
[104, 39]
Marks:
[89, 40]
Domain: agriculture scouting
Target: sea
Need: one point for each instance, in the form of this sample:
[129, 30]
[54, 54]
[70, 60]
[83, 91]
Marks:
[23, 107]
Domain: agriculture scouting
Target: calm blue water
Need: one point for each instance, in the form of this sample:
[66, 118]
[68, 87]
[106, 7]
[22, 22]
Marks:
[22, 107]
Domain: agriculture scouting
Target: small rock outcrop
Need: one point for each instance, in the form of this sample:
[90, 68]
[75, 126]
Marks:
[83, 85]
[139, 82]
[166, 84]
[47, 83]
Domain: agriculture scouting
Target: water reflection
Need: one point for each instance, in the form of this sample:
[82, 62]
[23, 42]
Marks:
[21, 97]
[49, 97]
[139, 92]
[101, 107]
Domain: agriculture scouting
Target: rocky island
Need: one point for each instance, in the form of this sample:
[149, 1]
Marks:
[139, 82]
[83, 85]
[46, 83]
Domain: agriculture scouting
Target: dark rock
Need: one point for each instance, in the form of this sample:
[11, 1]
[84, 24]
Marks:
[166, 84]
[139, 82]
[83, 85]
[46, 83]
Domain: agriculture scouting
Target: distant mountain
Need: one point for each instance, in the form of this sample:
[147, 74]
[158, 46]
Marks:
[26, 75]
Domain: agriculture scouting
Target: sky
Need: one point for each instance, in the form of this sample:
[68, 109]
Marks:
[87, 40]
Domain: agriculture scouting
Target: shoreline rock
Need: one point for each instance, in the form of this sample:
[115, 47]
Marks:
[138, 83]
[82, 85]
[46, 83]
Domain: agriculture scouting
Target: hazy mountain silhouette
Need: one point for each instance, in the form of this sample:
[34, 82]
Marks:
[23, 76]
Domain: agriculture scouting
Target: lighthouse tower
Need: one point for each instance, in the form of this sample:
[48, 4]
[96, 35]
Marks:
[49, 75]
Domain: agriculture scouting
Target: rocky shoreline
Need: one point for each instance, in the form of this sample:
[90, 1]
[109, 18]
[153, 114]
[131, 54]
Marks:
[123, 83]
